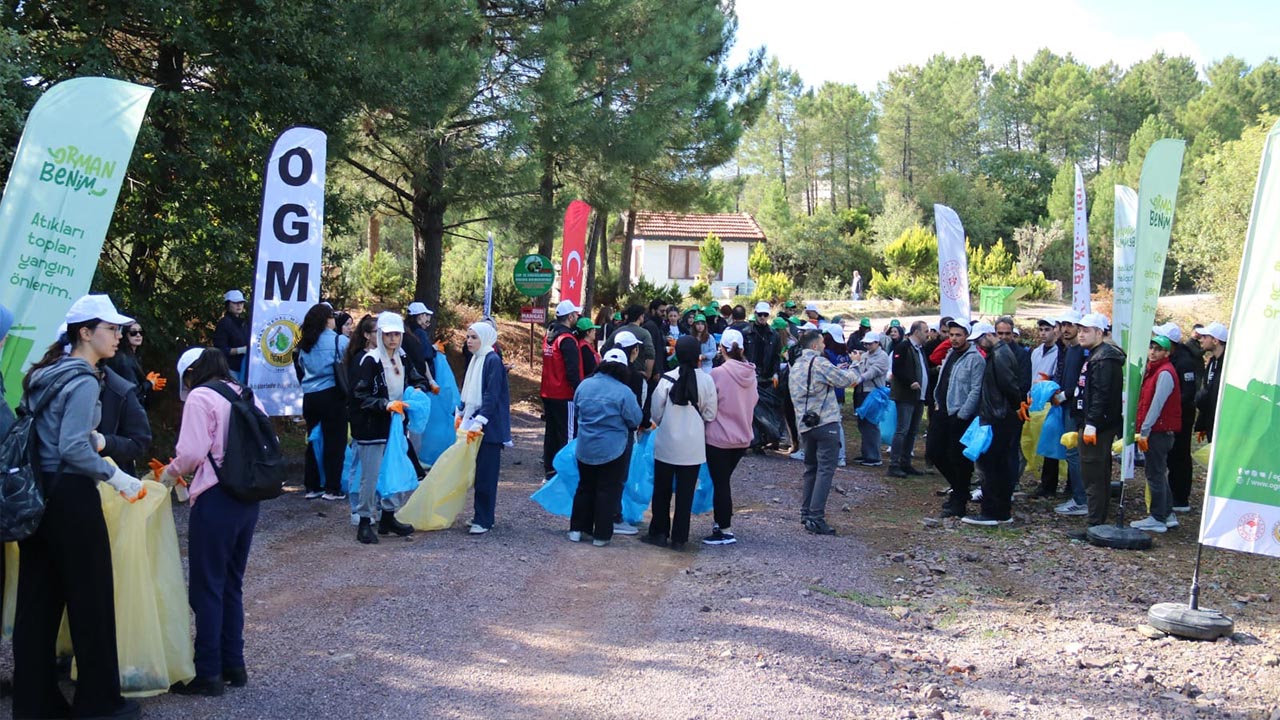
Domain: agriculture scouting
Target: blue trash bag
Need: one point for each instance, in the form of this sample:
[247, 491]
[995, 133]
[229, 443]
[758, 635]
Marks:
[875, 404]
[315, 441]
[439, 434]
[419, 409]
[637, 494]
[556, 495]
[976, 440]
[1050, 445]
[888, 424]
[351, 476]
[703, 494]
[1041, 393]
[397, 474]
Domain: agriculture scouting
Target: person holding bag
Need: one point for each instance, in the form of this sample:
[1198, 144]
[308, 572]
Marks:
[485, 414]
[607, 415]
[66, 563]
[320, 352]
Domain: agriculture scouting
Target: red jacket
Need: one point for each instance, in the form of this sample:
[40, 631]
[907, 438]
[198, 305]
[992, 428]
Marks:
[1170, 419]
[561, 364]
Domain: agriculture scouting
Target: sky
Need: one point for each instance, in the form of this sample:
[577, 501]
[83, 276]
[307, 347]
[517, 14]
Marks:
[861, 41]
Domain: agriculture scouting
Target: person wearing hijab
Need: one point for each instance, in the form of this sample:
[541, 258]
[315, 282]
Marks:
[378, 391]
[486, 409]
[684, 401]
[607, 415]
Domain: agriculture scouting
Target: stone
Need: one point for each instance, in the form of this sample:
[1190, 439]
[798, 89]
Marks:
[898, 557]
[1271, 661]
[931, 691]
[931, 522]
[1150, 632]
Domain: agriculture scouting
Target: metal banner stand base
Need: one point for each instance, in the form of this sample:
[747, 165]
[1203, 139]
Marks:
[1190, 620]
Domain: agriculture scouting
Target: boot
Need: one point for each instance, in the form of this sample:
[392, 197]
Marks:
[364, 533]
[388, 524]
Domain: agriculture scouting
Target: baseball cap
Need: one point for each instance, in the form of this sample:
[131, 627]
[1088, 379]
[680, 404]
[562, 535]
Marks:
[565, 307]
[625, 339]
[732, 337]
[390, 322]
[789, 304]
[808, 326]
[959, 323]
[617, 317]
[1162, 341]
[616, 355]
[699, 317]
[778, 323]
[1047, 322]
[835, 331]
[1071, 316]
[811, 306]
[762, 308]
[933, 326]
[1169, 330]
[871, 337]
[185, 361]
[1095, 320]
[585, 323]
[864, 322]
[980, 329]
[95, 307]
[1215, 330]
[895, 323]
[417, 308]
[233, 296]
[713, 305]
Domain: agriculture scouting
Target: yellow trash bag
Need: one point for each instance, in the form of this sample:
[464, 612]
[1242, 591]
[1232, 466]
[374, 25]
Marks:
[1201, 456]
[1031, 439]
[439, 498]
[10, 581]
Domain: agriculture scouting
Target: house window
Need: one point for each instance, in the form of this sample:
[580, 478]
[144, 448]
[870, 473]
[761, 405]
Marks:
[683, 262]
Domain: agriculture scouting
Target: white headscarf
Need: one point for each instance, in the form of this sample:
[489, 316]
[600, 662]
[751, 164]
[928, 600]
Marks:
[472, 394]
[393, 369]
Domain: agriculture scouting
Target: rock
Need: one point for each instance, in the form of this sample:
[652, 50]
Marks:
[908, 714]
[840, 489]
[1148, 678]
[929, 691]
[806, 593]
[726, 654]
[1019, 661]
[934, 714]
[931, 522]
[1033, 700]
[1073, 648]
[778, 500]
[1271, 661]
[1095, 663]
[970, 557]
[937, 570]
[1190, 690]
[705, 608]
[762, 664]
[1150, 632]
[898, 557]
[846, 508]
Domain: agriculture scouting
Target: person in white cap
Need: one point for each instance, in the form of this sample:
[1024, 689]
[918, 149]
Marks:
[1188, 368]
[1046, 359]
[998, 405]
[66, 562]
[608, 415]
[417, 340]
[729, 434]
[955, 403]
[1098, 415]
[873, 371]
[561, 374]
[378, 391]
[231, 335]
[1068, 380]
[1213, 338]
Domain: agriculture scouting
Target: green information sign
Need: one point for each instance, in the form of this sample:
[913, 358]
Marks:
[533, 275]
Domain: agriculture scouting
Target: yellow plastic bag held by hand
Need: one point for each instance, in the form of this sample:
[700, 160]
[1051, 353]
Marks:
[441, 494]
[1070, 440]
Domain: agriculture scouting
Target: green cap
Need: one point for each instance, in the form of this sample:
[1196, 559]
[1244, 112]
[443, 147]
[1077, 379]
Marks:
[789, 304]
[713, 305]
[700, 318]
[617, 316]
[794, 320]
[1162, 341]
[778, 323]
[894, 323]
[586, 324]
[693, 308]
[864, 322]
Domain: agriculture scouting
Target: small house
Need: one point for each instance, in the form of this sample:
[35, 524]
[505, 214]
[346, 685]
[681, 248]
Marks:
[665, 249]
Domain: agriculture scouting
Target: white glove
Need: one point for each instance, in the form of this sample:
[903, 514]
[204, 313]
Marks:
[1059, 398]
[98, 440]
[127, 485]
[240, 350]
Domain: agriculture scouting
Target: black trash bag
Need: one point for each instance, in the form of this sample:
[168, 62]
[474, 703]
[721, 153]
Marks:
[767, 424]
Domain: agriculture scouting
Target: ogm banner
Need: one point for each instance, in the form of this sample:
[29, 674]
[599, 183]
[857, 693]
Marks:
[287, 282]
[1157, 196]
[1080, 278]
[1242, 502]
[57, 206]
[953, 264]
[575, 249]
[1125, 253]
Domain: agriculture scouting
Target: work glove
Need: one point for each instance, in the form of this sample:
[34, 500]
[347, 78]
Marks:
[165, 474]
[129, 487]
[396, 406]
[457, 422]
[1201, 435]
[1141, 441]
[440, 345]
[775, 381]
[1090, 435]
[1117, 447]
[1069, 440]
[1042, 376]
[473, 435]
[97, 440]
[1058, 398]
[157, 380]
[435, 389]
[1024, 410]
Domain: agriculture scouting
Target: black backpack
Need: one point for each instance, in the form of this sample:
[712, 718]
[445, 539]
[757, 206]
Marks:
[21, 492]
[253, 467]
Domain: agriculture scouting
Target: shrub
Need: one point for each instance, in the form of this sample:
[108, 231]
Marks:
[758, 263]
[711, 257]
[383, 280]
[772, 288]
[643, 291]
[700, 292]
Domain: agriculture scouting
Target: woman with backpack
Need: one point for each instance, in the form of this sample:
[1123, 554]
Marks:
[324, 400]
[377, 391]
[66, 561]
[486, 409]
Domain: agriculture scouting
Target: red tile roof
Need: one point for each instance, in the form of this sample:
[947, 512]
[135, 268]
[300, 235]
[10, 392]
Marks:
[727, 226]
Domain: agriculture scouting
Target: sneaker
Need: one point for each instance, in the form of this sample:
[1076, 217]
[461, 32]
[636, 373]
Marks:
[656, 540]
[1071, 507]
[1081, 535]
[841, 463]
[819, 527]
[599, 543]
[871, 463]
[314, 494]
[334, 496]
[950, 512]
[575, 536]
[797, 455]
[477, 529]
[1181, 508]
[624, 528]
[1172, 522]
[1148, 524]
[976, 495]
[719, 537]
[984, 521]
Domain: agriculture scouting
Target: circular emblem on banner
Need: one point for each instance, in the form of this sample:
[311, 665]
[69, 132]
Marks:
[277, 341]
[1275, 532]
[950, 279]
[534, 274]
[1250, 526]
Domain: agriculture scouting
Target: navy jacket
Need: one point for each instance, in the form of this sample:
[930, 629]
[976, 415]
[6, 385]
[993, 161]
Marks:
[124, 423]
[495, 402]
[231, 332]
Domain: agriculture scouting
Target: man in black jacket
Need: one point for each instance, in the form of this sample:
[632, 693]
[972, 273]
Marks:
[764, 351]
[997, 407]
[1068, 378]
[1097, 414]
[1213, 338]
[1188, 368]
[907, 390]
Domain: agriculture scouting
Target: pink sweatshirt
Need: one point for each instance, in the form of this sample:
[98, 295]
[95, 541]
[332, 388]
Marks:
[204, 430]
[736, 397]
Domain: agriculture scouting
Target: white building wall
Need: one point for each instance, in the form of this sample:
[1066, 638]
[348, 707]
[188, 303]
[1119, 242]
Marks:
[653, 256]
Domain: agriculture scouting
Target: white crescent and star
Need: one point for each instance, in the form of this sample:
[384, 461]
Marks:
[573, 275]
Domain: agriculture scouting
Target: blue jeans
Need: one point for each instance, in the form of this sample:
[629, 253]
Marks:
[904, 438]
[1075, 481]
[219, 536]
[870, 440]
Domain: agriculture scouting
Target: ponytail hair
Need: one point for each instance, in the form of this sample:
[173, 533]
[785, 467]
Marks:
[58, 350]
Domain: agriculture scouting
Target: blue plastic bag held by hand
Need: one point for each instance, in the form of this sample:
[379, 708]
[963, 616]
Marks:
[397, 474]
[888, 424]
[1050, 444]
[419, 409]
[976, 440]
[703, 494]
[1041, 393]
[439, 434]
[638, 492]
[556, 495]
[875, 404]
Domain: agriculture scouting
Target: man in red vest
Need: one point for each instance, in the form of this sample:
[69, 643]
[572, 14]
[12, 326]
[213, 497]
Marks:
[1159, 420]
[561, 373]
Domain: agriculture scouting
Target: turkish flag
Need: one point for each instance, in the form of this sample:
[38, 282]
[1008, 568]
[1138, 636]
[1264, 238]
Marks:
[575, 249]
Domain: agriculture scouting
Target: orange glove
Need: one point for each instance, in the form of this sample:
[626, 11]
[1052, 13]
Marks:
[1042, 376]
[435, 389]
[775, 381]
[396, 406]
[457, 422]
[1141, 441]
[440, 345]
[1024, 410]
[141, 494]
[473, 435]
[157, 380]
[1201, 436]
[156, 466]
[1090, 435]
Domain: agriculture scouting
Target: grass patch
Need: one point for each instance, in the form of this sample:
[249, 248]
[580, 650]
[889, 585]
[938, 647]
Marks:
[1001, 532]
[873, 601]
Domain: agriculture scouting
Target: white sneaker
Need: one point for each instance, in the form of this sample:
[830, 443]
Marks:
[1148, 524]
[314, 495]
[574, 536]
[625, 528]
[797, 455]
[1071, 507]
[1181, 508]
[599, 543]
[976, 495]
[477, 529]
[841, 463]
[1172, 522]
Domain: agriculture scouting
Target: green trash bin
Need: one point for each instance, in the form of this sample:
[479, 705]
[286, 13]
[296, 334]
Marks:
[999, 299]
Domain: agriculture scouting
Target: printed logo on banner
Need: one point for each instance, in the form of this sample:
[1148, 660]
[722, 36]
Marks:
[1275, 532]
[1250, 526]
[69, 167]
[278, 339]
[951, 279]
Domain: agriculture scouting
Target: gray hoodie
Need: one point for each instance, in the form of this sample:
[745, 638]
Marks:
[965, 384]
[64, 426]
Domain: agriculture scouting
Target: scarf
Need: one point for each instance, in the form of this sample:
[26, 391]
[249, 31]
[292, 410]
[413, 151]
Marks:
[393, 369]
[473, 382]
[685, 390]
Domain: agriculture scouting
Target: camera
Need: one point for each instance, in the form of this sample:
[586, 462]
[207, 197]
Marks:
[810, 419]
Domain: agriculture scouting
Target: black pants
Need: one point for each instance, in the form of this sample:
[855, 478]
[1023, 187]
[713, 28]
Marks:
[1000, 469]
[686, 479]
[789, 414]
[558, 431]
[944, 450]
[66, 564]
[721, 462]
[1180, 461]
[596, 500]
[1049, 477]
[328, 409]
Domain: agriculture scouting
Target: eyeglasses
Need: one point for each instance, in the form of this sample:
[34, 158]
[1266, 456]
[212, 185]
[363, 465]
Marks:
[135, 333]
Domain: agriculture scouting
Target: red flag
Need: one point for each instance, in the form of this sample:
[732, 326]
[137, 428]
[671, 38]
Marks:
[575, 248]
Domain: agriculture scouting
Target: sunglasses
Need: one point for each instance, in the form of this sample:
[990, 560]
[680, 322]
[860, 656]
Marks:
[134, 333]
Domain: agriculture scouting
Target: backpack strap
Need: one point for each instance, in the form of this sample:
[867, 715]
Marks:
[221, 388]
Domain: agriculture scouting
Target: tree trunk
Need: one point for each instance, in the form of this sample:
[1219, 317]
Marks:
[144, 255]
[598, 226]
[375, 235]
[547, 205]
[624, 263]
[429, 207]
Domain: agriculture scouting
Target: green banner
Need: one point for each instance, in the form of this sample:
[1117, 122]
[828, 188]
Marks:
[1157, 196]
[57, 206]
[1242, 505]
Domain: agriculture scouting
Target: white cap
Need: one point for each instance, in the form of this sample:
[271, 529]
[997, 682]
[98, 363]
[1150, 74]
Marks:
[1016, 331]
[1095, 320]
[390, 322]
[566, 307]
[233, 296]
[933, 326]
[1169, 330]
[872, 337]
[732, 337]
[1215, 330]
[625, 339]
[95, 307]
[835, 331]
[185, 361]
[1071, 316]
[811, 306]
[616, 355]
[763, 308]
[980, 329]
[809, 326]
[417, 308]
[1050, 321]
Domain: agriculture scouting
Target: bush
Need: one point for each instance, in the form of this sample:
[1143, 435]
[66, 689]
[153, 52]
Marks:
[711, 257]
[915, 252]
[902, 286]
[643, 292]
[700, 292]
[384, 280]
[772, 288]
[996, 266]
[758, 263]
